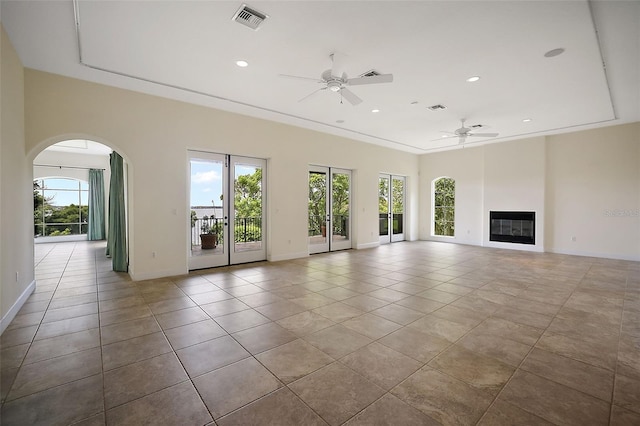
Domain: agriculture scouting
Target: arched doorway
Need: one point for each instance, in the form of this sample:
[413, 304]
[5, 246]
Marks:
[68, 175]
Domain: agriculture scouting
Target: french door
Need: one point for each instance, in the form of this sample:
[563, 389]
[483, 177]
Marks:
[391, 206]
[227, 210]
[329, 209]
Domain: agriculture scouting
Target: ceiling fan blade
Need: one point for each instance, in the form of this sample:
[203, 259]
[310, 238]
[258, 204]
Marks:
[337, 68]
[375, 79]
[297, 77]
[350, 96]
[483, 135]
[312, 94]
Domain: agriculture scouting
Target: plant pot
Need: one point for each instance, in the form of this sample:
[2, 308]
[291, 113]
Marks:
[323, 230]
[209, 241]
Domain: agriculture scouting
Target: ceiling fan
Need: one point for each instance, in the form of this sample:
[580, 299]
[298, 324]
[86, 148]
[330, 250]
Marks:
[336, 80]
[464, 132]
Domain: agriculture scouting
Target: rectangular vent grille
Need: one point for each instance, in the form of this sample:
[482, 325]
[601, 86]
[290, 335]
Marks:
[371, 73]
[437, 107]
[249, 17]
[476, 126]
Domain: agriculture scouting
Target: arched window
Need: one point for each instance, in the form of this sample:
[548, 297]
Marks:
[444, 206]
[60, 206]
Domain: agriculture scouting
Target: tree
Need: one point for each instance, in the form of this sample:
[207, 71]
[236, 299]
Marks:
[444, 207]
[383, 195]
[248, 195]
[317, 202]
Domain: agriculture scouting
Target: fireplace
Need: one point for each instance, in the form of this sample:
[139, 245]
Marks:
[513, 227]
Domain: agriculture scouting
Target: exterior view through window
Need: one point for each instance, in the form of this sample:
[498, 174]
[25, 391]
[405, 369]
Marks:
[444, 199]
[60, 207]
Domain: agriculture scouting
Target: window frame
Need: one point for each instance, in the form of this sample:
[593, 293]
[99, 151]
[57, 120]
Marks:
[447, 209]
[82, 191]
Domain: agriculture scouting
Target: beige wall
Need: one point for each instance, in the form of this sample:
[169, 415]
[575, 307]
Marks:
[16, 243]
[582, 184]
[593, 192]
[154, 134]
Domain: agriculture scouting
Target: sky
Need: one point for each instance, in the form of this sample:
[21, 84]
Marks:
[206, 181]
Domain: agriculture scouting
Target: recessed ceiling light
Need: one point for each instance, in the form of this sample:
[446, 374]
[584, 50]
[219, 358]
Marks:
[554, 52]
[242, 64]
[526, 120]
[375, 110]
[473, 79]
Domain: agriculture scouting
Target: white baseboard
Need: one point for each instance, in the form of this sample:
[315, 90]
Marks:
[13, 311]
[288, 256]
[368, 245]
[156, 274]
[591, 254]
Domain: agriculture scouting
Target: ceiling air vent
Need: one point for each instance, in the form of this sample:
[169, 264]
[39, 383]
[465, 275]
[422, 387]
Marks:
[437, 107]
[371, 73]
[249, 17]
[476, 126]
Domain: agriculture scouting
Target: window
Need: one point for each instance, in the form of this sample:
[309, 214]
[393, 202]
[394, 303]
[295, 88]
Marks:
[60, 207]
[444, 200]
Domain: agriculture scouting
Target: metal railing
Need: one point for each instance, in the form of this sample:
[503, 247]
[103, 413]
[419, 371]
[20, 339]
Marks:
[246, 229]
[317, 225]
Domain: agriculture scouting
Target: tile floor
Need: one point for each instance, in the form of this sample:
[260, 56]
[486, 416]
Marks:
[418, 333]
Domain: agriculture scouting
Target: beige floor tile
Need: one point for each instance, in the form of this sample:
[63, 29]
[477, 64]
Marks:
[443, 398]
[554, 402]
[279, 408]
[224, 307]
[623, 417]
[337, 341]
[415, 344]
[126, 352]
[207, 356]
[338, 293]
[177, 405]
[136, 380]
[420, 304]
[364, 302]
[504, 414]
[476, 370]
[53, 372]
[389, 410]
[242, 320]
[71, 325]
[583, 377]
[597, 354]
[381, 365]
[259, 299]
[125, 302]
[439, 327]
[229, 388]
[294, 360]
[460, 315]
[338, 312]
[510, 330]
[398, 314]
[439, 296]
[210, 297]
[181, 317]
[627, 393]
[64, 404]
[279, 310]
[263, 337]
[128, 330]
[125, 314]
[372, 326]
[191, 334]
[505, 350]
[169, 305]
[7, 377]
[336, 393]
[305, 323]
[62, 345]
[12, 356]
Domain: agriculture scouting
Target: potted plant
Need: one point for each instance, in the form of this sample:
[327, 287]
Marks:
[208, 237]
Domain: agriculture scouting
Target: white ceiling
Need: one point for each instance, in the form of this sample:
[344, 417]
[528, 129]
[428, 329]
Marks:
[187, 50]
[80, 146]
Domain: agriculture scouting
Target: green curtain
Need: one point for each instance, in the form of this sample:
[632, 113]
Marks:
[117, 238]
[96, 205]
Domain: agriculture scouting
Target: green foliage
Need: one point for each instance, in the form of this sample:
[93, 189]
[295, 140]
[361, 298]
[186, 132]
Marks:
[248, 195]
[398, 196]
[317, 202]
[194, 218]
[444, 207]
[51, 220]
[383, 195]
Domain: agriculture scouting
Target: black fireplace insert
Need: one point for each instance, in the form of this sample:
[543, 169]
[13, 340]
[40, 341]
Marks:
[513, 227]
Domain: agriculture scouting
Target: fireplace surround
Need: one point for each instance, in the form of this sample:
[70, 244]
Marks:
[512, 227]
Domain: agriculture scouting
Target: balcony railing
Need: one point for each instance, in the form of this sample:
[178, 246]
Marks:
[340, 225]
[246, 229]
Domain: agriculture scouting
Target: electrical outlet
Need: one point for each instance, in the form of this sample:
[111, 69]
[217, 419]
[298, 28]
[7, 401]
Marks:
[17, 276]
[153, 254]
[573, 239]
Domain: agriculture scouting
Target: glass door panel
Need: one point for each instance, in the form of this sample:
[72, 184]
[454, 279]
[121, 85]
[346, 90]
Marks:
[383, 208]
[340, 209]
[397, 207]
[318, 208]
[248, 212]
[329, 211]
[207, 229]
